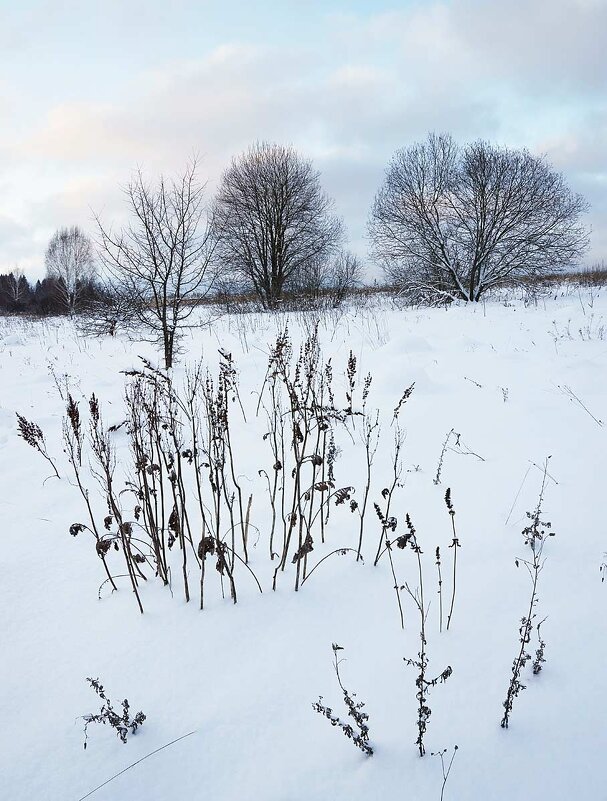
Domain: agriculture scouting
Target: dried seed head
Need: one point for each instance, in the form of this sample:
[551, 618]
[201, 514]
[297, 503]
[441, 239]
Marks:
[206, 546]
[342, 495]
[73, 415]
[76, 528]
[30, 432]
[94, 409]
[102, 547]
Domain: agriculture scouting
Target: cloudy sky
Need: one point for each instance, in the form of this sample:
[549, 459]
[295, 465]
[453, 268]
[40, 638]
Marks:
[91, 90]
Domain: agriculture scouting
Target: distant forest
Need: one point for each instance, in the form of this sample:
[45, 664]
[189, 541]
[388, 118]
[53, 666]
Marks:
[45, 297]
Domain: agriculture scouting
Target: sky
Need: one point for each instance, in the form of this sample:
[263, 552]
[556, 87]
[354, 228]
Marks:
[91, 91]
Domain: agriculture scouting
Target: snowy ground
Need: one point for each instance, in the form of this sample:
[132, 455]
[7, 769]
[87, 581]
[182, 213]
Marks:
[243, 678]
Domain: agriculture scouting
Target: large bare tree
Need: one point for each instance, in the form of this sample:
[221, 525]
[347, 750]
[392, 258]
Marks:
[70, 262]
[453, 222]
[273, 220]
[159, 264]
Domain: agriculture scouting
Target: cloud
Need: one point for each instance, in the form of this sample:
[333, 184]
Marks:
[581, 153]
[526, 73]
[16, 242]
[234, 94]
[547, 46]
[552, 46]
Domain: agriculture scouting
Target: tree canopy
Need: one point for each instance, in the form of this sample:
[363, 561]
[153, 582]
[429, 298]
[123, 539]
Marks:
[454, 221]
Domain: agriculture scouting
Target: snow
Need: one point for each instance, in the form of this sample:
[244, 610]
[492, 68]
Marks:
[243, 678]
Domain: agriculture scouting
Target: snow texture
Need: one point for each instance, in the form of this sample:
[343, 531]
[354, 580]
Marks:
[243, 678]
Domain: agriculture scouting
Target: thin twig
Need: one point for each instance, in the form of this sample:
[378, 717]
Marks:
[162, 747]
[341, 551]
[516, 496]
[573, 397]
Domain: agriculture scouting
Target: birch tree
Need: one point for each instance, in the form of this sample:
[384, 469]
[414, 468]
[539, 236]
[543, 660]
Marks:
[70, 262]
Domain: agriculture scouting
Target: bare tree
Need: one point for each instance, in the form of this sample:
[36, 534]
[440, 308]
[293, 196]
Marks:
[159, 265]
[454, 222]
[15, 290]
[346, 274]
[70, 263]
[273, 220]
[327, 283]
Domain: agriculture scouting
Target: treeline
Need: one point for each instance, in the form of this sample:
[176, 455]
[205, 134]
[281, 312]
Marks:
[44, 297]
[449, 223]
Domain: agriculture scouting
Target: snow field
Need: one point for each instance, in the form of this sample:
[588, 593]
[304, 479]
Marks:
[243, 677]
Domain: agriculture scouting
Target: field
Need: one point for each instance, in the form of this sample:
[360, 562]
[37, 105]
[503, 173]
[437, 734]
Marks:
[507, 406]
